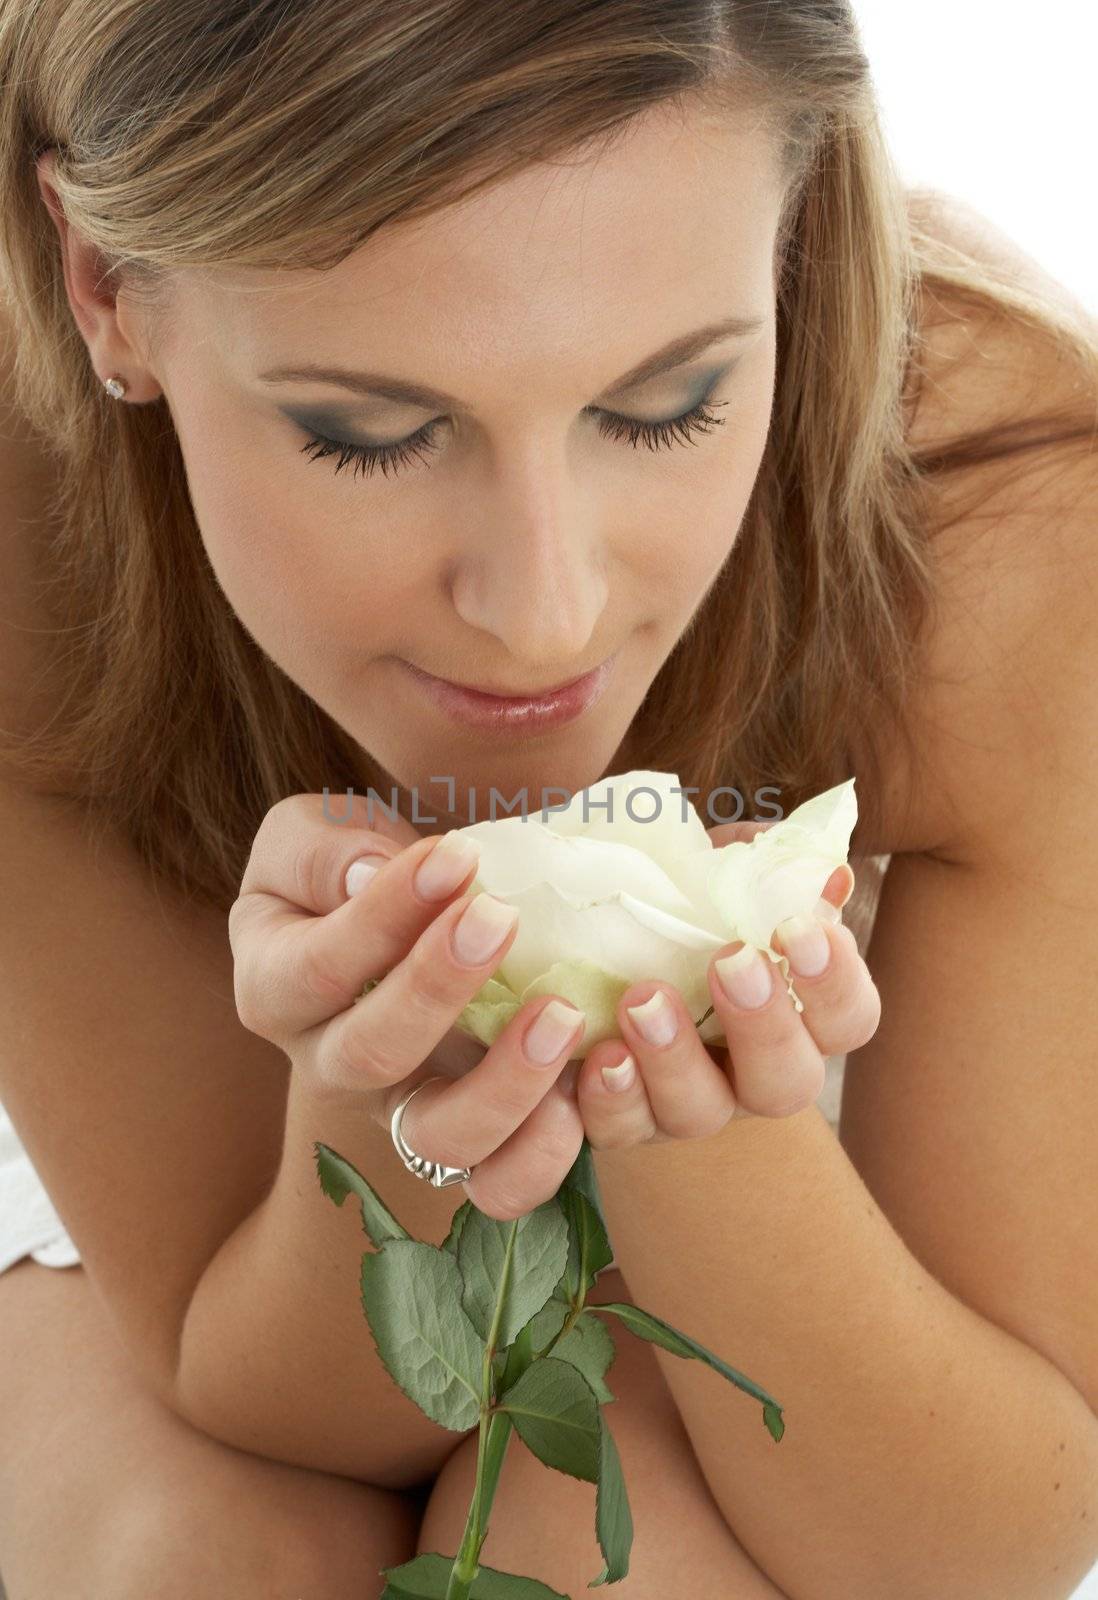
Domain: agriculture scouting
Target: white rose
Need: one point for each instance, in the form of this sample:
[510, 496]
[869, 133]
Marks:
[607, 898]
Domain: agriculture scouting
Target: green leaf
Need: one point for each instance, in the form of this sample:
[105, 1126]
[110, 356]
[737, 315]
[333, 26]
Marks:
[588, 1347]
[613, 1518]
[556, 1415]
[457, 1222]
[338, 1179]
[586, 1237]
[516, 1263]
[581, 1176]
[510, 1364]
[647, 1326]
[411, 1294]
[772, 1416]
[426, 1577]
[545, 1324]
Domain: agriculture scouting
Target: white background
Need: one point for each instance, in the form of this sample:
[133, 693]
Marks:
[992, 100]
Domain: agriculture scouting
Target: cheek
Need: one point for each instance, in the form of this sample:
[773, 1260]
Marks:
[293, 561]
[691, 522]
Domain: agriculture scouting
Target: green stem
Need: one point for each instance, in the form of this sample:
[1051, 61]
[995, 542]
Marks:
[491, 1448]
[493, 1432]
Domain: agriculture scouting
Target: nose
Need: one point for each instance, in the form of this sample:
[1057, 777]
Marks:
[534, 574]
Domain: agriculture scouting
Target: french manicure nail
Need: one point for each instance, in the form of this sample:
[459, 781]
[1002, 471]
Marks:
[806, 944]
[620, 1077]
[361, 871]
[745, 977]
[446, 866]
[655, 1019]
[482, 928]
[550, 1031]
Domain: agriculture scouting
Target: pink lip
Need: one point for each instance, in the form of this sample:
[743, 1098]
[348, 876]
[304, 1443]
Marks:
[516, 713]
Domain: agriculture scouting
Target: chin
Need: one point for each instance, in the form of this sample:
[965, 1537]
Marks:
[470, 787]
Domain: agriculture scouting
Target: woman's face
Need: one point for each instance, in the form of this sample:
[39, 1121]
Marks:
[519, 543]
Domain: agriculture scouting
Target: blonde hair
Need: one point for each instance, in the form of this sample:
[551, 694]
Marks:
[264, 135]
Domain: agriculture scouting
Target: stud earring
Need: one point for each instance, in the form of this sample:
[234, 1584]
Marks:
[115, 387]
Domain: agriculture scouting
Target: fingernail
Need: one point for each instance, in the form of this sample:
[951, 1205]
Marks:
[745, 977]
[655, 1020]
[620, 1077]
[482, 928]
[826, 911]
[550, 1031]
[446, 866]
[806, 944]
[361, 871]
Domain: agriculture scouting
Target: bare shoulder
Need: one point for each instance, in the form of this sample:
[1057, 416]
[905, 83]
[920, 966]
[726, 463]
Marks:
[154, 1118]
[969, 1114]
[1015, 545]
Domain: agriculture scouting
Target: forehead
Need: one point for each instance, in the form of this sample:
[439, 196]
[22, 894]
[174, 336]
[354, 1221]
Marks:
[671, 225]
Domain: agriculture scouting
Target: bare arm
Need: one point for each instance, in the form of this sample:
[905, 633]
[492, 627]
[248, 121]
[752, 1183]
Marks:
[276, 1354]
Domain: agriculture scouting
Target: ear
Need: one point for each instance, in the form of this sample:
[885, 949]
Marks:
[93, 297]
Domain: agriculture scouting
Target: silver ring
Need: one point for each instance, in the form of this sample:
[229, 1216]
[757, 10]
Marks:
[433, 1172]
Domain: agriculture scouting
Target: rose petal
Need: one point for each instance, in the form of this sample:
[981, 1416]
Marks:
[519, 853]
[606, 899]
[663, 825]
[783, 870]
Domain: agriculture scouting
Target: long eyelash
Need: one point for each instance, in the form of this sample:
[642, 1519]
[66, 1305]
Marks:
[368, 456]
[656, 435]
[682, 429]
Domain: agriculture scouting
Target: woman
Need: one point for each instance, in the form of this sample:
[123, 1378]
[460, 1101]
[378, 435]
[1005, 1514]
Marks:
[876, 559]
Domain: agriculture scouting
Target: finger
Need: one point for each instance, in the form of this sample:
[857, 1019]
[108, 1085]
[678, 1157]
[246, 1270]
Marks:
[690, 1097]
[613, 1101]
[838, 888]
[322, 963]
[461, 1122]
[388, 1032]
[842, 1005]
[295, 969]
[303, 848]
[530, 1166]
[777, 1068]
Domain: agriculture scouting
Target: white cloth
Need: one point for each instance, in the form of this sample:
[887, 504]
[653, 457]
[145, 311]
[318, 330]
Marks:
[29, 1224]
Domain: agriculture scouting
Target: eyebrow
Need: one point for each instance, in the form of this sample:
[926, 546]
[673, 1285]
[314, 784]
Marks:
[377, 385]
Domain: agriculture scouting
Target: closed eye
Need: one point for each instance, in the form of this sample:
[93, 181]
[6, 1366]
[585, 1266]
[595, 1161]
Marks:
[367, 458]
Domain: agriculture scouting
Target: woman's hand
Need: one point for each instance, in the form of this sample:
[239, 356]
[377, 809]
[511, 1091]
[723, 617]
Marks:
[304, 948]
[775, 1061]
